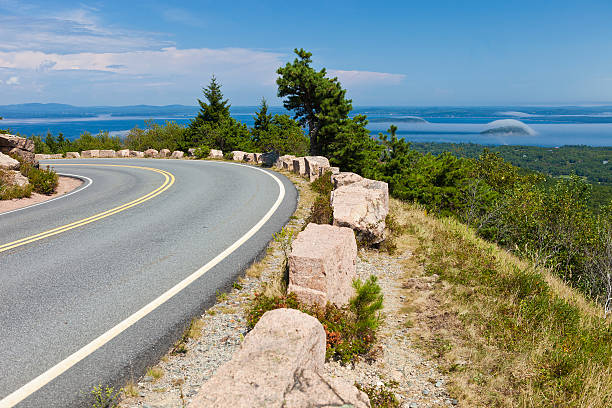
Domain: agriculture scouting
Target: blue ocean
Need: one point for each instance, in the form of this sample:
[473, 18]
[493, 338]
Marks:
[547, 126]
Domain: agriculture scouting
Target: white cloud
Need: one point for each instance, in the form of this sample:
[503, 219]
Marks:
[365, 77]
[77, 30]
[168, 62]
[13, 81]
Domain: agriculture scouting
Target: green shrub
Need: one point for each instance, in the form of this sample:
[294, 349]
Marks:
[381, 396]
[323, 185]
[350, 331]
[321, 211]
[228, 156]
[105, 397]
[43, 181]
[202, 152]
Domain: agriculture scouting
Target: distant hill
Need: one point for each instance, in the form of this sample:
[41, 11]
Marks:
[59, 110]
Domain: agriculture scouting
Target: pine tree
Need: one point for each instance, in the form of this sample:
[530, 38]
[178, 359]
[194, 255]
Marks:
[215, 110]
[318, 102]
[262, 117]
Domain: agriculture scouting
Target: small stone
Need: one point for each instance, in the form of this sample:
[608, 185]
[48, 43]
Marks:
[454, 401]
[438, 384]
[380, 384]
[147, 378]
[413, 405]
[425, 392]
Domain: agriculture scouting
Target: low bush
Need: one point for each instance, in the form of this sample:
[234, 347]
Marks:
[202, 152]
[43, 181]
[321, 211]
[350, 331]
[381, 396]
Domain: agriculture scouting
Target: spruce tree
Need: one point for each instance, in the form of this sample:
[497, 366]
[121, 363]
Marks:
[262, 117]
[215, 110]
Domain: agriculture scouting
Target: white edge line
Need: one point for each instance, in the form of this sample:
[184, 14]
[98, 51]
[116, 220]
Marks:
[34, 385]
[80, 188]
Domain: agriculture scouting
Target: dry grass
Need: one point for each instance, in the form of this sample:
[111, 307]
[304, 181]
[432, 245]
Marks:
[155, 372]
[507, 335]
[130, 389]
[195, 329]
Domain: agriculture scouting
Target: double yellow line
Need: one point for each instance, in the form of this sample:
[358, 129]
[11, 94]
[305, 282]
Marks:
[169, 180]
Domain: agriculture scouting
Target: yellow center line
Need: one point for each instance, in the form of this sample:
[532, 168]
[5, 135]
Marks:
[168, 181]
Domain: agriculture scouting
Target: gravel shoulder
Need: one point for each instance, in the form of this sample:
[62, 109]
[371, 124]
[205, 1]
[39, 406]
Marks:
[399, 366]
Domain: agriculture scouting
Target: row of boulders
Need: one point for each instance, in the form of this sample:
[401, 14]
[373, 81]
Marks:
[358, 203]
[280, 361]
[311, 167]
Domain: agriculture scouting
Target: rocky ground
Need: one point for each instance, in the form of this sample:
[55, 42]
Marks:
[398, 366]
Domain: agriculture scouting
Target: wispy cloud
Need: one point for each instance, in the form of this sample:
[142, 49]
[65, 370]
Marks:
[365, 77]
[75, 30]
[14, 80]
[242, 62]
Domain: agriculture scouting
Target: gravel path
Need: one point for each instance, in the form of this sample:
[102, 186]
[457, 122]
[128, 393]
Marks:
[419, 384]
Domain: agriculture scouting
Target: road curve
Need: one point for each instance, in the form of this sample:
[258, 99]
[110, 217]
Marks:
[96, 286]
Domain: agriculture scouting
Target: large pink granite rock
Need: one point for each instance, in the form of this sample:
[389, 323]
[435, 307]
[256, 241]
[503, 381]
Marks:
[258, 158]
[73, 155]
[315, 166]
[362, 206]
[8, 163]
[215, 154]
[164, 153]
[344, 178]
[322, 265]
[238, 155]
[177, 154]
[299, 166]
[40, 156]
[285, 162]
[90, 154]
[151, 153]
[123, 153]
[135, 153]
[108, 154]
[20, 146]
[17, 179]
[279, 366]
[9, 142]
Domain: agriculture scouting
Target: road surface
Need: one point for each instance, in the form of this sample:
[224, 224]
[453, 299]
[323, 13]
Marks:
[96, 286]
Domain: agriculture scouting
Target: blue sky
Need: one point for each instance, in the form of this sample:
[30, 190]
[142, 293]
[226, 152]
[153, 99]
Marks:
[384, 53]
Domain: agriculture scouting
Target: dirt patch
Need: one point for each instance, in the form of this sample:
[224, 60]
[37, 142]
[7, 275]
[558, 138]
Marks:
[65, 185]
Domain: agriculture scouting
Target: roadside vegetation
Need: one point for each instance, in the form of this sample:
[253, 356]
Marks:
[507, 332]
[350, 330]
[43, 181]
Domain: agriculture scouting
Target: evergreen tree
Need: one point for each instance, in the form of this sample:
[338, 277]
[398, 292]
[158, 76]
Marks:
[214, 127]
[215, 110]
[262, 117]
[318, 102]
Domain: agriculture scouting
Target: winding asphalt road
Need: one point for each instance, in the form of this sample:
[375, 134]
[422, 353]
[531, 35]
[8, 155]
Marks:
[97, 285]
